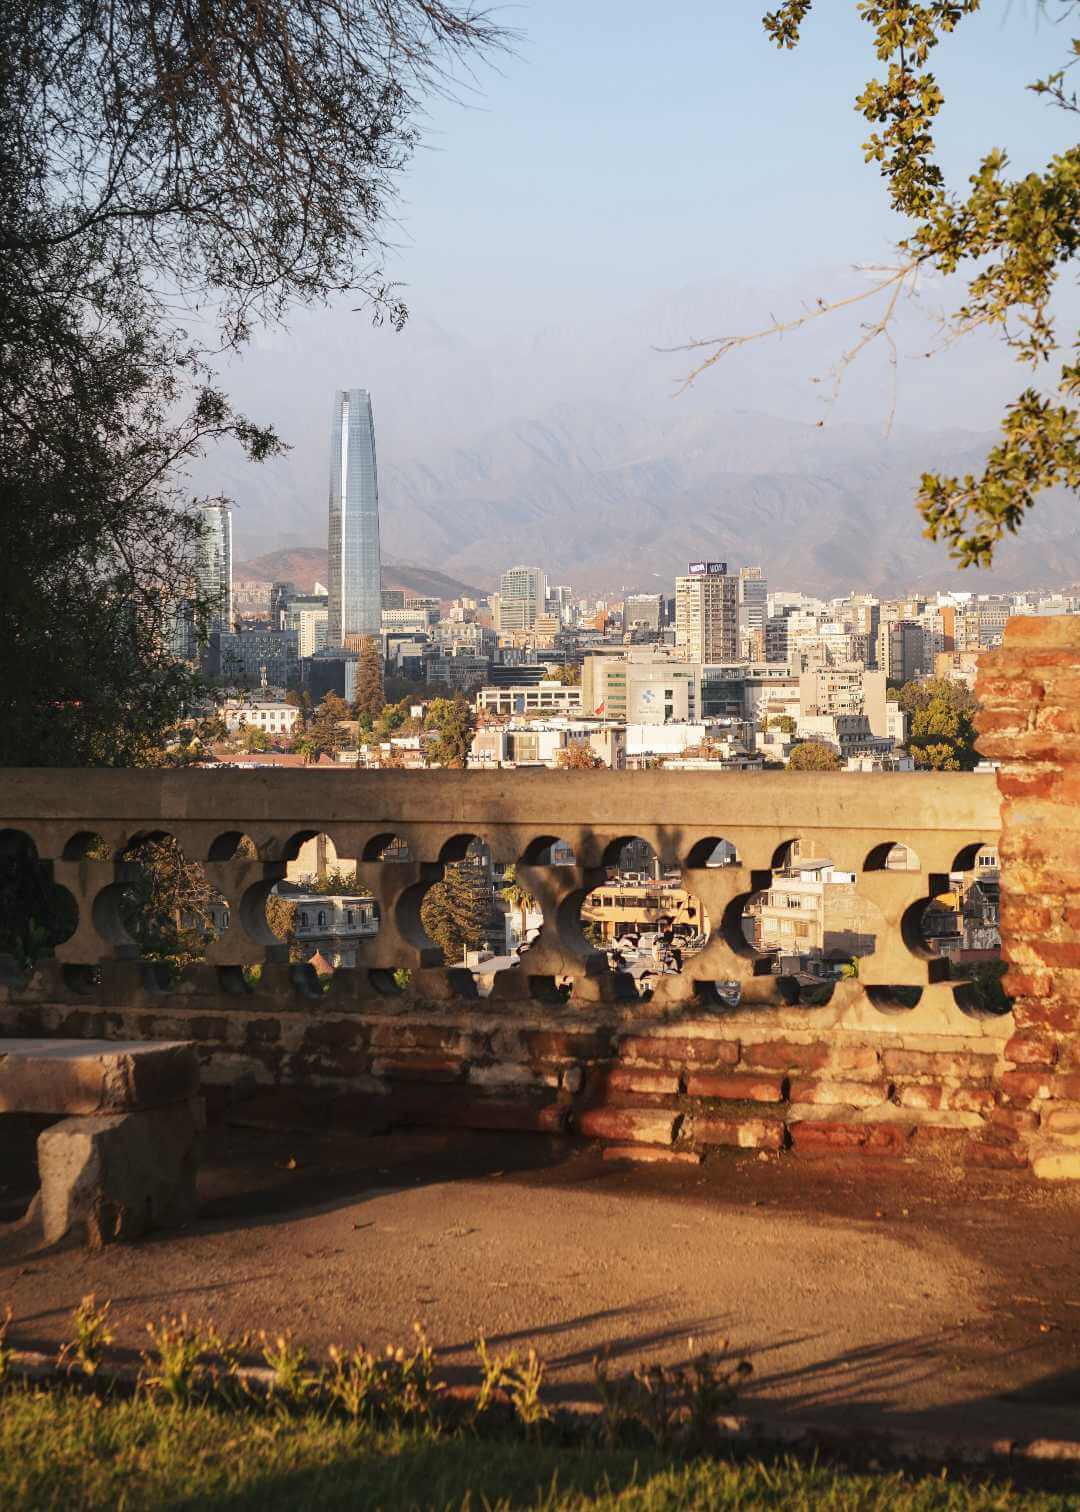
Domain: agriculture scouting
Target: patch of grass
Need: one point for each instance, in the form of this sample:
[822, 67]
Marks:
[62, 1448]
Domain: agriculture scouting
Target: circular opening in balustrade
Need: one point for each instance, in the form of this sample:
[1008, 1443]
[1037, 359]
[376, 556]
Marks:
[809, 928]
[322, 912]
[164, 905]
[642, 917]
[36, 914]
[959, 928]
[464, 913]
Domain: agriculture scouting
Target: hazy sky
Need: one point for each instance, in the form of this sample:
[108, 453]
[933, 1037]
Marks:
[630, 146]
[630, 175]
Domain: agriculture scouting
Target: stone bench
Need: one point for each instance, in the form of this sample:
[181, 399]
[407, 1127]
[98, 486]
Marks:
[125, 1155]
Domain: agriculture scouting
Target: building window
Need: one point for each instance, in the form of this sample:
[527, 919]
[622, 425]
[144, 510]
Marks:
[322, 918]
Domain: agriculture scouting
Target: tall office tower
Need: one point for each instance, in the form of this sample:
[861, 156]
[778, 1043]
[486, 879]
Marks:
[213, 567]
[355, 565]
[753, 598]
[642, 611]
[522, 596]
[707, 614]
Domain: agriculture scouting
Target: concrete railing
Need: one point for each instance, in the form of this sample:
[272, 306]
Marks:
[852, 819]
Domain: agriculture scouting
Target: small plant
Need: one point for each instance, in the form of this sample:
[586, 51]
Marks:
[223, 1363]
[518, 1379]
[352, 1382]
[658, 1401]
[6, 1352]
[92, 1336]
[710, 1386]
[402, 978]
[179, 1348]
[292, 1381]
[617, 1406]
[524, 1385]
[397, 1385]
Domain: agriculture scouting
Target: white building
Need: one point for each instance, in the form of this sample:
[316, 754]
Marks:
[273, 718]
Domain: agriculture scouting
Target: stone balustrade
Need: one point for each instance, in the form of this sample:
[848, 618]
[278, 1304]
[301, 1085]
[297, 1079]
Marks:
[557, 1041]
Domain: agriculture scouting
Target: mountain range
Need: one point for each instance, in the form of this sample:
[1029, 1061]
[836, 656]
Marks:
[306, 565]
[610, 500]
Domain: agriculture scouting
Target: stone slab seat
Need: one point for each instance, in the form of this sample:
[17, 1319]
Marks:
[94, 1076]
[125, 1157]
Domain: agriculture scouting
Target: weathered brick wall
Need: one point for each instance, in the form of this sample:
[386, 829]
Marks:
[659, 1087]
[1030, 722]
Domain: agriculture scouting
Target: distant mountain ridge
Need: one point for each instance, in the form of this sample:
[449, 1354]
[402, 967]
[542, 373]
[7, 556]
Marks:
[608, 498]
[304, 565]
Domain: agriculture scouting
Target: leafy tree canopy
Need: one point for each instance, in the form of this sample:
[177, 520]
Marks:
[1012, 237]
[224, 160]
[579, 756]
[452, 722]
[813, 756]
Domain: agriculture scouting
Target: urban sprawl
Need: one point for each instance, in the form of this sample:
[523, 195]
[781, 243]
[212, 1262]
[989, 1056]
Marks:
[723, 671]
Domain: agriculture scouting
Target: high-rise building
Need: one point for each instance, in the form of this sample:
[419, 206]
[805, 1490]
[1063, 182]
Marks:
[522, 597]
[707, 613]
[642, 611]
[213, 567]
[355, 565]
[901, 649]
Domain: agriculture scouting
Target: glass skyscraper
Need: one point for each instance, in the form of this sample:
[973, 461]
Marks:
[213, 567]
[355, 577]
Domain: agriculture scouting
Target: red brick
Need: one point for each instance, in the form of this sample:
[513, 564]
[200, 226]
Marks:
[1019, 983]
[1028, 784]
[1004, 687]
[651, 1155]
[1026, 1049]
[1072, 918]
[664, 1050]
[1016, 1120]
[458, 1111]
[1059, 953]
[920, 1096]
[450, 1039]
[737, 1087]
[994, 720]
[850, 1094]
[635, 1125]
[957, 1064]
[548, 1044]
[1060, 721]
[1037, 1086]
[997, 1157]
[1024, 919]
[813, 1137]
[784, 1055]
[1061, 685]
[334, 1034]
[1059, 1015]
[632, 1079]
[421, 1068]
[205, 1028]
[745, 1133]
[1057, 632]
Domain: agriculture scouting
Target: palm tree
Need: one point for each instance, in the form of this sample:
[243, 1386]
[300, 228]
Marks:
[519, 898]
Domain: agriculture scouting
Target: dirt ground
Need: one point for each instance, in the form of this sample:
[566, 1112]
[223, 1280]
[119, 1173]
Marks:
[887, 1291]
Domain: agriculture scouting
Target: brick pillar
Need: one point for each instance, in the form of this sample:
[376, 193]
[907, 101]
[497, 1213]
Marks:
[1030, 722]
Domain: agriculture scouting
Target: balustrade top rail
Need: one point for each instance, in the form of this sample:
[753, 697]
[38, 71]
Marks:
[692, 801]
